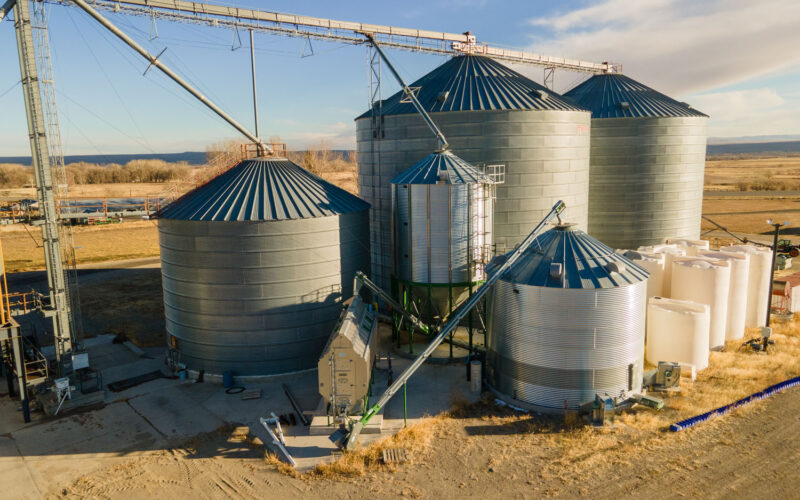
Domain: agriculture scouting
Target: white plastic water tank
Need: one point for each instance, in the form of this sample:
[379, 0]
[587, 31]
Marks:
[654, 264]
[677, 330]
[758, 282]
[670, 253]
[706, 281]
[737, 295]
[691, 246]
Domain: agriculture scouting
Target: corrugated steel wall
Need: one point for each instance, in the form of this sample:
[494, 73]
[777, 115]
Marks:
[446, 207]
[646, 181]
[548, 346]
[546, 154]
[258, 297]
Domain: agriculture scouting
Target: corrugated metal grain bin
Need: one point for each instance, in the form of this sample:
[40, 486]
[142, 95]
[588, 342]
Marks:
[255, 266]
[647, 162]
[442, 230]
[490, 115]
[567, 322]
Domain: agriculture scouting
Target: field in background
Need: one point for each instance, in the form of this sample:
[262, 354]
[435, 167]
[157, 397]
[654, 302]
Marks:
[743, 192]
[743, 173]
[724, 202]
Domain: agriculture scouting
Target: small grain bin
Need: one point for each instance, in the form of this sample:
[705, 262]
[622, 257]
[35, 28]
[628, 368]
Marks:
[706, 281]
[441, 232]
[255, 265]
[678, 330]
[648, 154]
[566, 323]
[758, 282]
[737, 296]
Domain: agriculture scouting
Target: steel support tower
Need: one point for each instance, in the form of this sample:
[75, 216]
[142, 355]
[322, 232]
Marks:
[45, 189]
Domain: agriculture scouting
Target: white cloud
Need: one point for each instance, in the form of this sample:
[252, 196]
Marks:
[680, 46]
[738, 104]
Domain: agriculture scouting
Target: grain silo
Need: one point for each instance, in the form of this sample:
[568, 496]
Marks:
[255, 265]
[441, 232]
[648, 156]
[566, 323]
[490, 115]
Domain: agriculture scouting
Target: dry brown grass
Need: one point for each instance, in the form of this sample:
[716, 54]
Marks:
[128, 240]
[780, 173]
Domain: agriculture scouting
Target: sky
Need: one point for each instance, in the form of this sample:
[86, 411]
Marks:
[736, 60]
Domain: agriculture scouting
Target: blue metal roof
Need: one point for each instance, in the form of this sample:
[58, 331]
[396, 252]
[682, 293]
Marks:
[261, 190]
[585, 263]
[476, 83]
[441, 166]
[614, 95]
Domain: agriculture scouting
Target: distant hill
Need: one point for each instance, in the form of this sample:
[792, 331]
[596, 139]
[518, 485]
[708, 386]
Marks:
[758, 148]
[190, 157]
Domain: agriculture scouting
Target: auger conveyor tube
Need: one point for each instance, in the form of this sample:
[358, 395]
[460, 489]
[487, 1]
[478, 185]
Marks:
[455, 319]
[361, 279]
[408, 92]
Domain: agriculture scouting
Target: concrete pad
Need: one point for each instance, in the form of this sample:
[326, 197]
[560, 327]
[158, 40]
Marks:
[113, 429]
[17, 481]
[133, 367]
[174, 414]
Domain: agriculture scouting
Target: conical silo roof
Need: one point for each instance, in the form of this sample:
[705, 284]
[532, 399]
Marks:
[264, 189]
[441, 167]
[614, 95]
[565, 257]
[476, 83]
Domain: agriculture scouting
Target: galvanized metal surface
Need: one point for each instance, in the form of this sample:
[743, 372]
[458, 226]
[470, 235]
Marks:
[265, 190]
[546, 154]
[442, 221]
[475, 83]
[258, 297]
[581, 261]
[435, 240]
[555, 348]
[566, 322]
[619, 96]
[646, 181]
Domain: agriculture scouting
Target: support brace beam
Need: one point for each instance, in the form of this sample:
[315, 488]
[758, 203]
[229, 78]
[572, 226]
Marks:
[177, 79]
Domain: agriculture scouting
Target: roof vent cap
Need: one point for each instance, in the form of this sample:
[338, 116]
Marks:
[541, 94]
[624, 104]
[615, 267]
[443, 95]
[556, 270]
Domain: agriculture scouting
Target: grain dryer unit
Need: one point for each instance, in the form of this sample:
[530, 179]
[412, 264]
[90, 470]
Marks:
[255, 266]
[490, 115]
[567, 324]
[345, 366]
[648, 155]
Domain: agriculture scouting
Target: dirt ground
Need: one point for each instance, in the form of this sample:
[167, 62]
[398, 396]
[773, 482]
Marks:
[488, 453]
